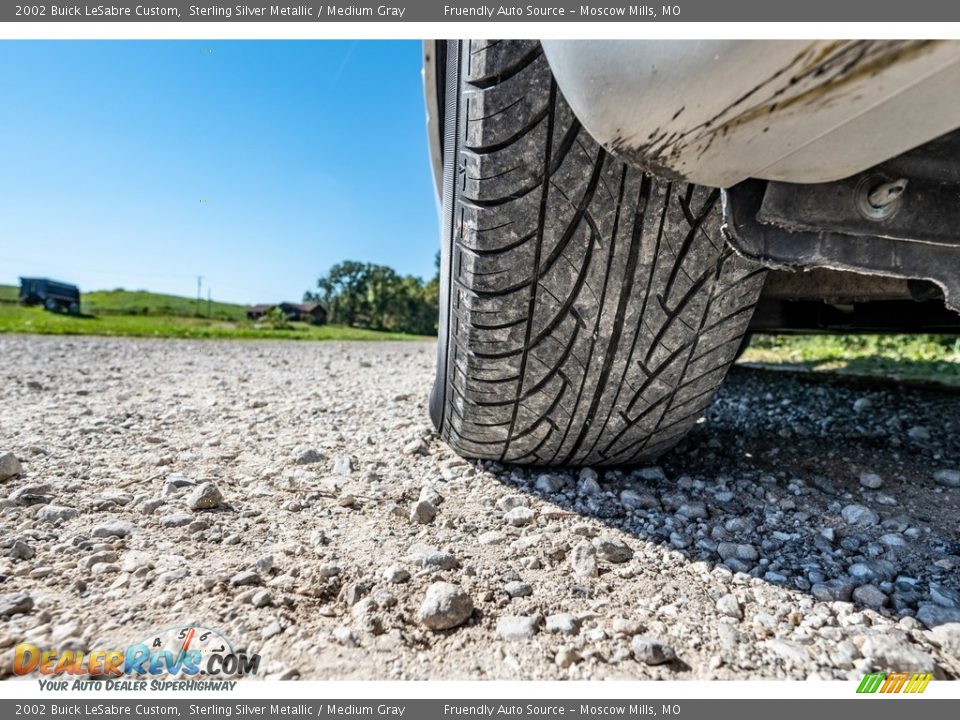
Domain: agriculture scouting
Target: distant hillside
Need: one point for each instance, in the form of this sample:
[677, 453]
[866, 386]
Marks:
[141, 302]
[9, 293]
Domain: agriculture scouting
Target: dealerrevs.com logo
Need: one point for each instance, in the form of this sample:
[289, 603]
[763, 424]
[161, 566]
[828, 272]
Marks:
[902, 682]
[199, 657]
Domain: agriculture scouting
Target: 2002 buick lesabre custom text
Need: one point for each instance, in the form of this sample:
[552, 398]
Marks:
[87, 709]
[106, 11]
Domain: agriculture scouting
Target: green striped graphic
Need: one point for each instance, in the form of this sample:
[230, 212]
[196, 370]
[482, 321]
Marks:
[871, 683]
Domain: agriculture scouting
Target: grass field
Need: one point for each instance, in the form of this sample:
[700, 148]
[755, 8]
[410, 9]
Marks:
[144, 314]
[140, 302]
[9, 293]
[908, 357]
[16, 319]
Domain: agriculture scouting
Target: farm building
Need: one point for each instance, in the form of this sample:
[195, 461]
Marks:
[311, 312]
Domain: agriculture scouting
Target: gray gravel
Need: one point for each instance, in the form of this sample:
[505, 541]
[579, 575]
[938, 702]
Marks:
[295, 496]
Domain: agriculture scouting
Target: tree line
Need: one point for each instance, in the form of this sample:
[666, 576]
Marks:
[377, 297]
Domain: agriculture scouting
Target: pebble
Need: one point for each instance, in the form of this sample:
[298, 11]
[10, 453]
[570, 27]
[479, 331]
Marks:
[626, 626]
[21, 550]
[548, 484]
[792, 652]
[345, 636]
[861, 404]
[729, 605]
[15, 604]
[948, 637]
[633, 500]
[396, 574]
[871, 596]
[933, 615]
[10, 466]
[739, 551]
[493, 537]
[115, 528]
[519, 516]
[947, 478]
[893, 653]
[612, 549]
[148, 507]
[27, 495]
[328, 570]
[177, 519]
[518, 589]
[206, 496]
[859, 515]
[274, 628]
[892, 540]
[944, 596]
[566, 656]
[177, 481]
[343, 464]
[135, 560]
[651, 650]
[509, 502]
[583, 560]
[871, 571]
[836, 589]
[563, 624]
[693, 510]
[307, 456]
[587, 485]
[56, 513]
[444, 606]
[430, 494]
[651, 474]
[918, 433]
[246, 577]
[871, 480]
[441, 560]
[517, 627]
[423, 512]
[415, 447]
[261, 598]
[172, 575]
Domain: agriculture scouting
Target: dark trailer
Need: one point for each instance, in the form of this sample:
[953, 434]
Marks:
[54, 296]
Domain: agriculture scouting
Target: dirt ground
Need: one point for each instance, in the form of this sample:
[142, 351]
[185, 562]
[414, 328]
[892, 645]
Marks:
[295, 497]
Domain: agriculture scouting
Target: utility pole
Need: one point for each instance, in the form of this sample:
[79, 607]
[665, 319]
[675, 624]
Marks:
[199, 282]
[209, 301]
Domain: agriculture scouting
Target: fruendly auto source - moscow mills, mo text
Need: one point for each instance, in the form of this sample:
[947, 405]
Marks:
[498, 11]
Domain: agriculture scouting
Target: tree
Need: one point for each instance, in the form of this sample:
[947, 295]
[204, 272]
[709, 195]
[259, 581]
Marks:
[383, 292]
[344, 291]
[377, 297]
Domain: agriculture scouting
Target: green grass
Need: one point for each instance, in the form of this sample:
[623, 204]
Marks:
[908, 357]
[34, 320]
[141, 302]
[9, 293]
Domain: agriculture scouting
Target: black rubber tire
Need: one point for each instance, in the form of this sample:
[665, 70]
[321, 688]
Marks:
[588, 310]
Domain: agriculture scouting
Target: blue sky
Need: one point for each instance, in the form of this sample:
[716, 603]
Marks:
[255, 164]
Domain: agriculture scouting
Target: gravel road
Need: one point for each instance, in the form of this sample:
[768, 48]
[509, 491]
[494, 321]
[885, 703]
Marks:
[296, 497]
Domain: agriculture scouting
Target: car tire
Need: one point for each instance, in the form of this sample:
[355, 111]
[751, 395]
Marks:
[589, 310]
